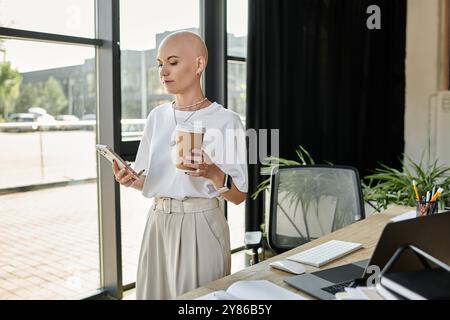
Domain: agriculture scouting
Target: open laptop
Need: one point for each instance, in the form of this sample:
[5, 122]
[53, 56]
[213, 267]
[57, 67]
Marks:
[430, 233]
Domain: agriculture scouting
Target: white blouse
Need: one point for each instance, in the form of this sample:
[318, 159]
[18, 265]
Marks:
[224, 142]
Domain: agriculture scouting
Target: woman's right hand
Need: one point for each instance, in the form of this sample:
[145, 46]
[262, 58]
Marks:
[126, 178]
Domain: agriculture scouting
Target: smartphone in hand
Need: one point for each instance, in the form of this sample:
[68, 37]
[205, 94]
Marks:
[110, 155]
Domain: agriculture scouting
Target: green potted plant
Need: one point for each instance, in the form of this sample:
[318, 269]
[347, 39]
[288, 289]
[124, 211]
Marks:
[388, 185]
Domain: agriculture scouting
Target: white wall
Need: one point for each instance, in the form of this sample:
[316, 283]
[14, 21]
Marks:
[424, 70]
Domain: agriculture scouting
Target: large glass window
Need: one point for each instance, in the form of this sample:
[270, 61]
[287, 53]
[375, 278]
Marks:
[236, 94]
[68, 17]
[143, 25]
[237, 87]
[237, 11]
[48, 190]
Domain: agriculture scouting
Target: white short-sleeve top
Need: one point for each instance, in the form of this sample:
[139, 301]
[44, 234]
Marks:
[224, 142]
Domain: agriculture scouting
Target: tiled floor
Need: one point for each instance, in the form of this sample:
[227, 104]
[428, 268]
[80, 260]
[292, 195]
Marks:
[46, 253]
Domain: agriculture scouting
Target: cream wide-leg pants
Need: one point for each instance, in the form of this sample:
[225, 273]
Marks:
[185, 245]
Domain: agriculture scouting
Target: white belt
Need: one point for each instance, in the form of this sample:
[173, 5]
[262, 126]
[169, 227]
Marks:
[189, 205]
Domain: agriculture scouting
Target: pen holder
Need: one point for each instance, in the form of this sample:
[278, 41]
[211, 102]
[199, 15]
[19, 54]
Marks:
[418, 207]
[433, 209]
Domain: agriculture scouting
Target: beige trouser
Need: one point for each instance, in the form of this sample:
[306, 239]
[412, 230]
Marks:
[185, 245]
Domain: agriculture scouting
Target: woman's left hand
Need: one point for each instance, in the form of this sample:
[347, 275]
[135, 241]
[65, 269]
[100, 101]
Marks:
[204, 167]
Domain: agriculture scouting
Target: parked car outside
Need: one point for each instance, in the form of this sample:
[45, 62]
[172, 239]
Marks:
[47, 122]
[68, 122]
[21, 118]
[37, 111]
[89, 116]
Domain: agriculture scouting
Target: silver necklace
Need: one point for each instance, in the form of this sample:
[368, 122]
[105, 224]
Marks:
[189, 106]
[173, 142]
[185, 120]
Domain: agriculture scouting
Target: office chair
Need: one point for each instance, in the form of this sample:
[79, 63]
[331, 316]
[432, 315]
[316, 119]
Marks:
[309, 201]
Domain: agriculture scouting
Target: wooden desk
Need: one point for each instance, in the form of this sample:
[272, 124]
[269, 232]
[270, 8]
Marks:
[366, 232]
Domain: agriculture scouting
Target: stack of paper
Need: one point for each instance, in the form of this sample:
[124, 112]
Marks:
[252, 290]
[405, 216]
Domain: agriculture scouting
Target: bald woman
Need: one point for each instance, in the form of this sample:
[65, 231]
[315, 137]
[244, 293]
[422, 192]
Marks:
[186, 242]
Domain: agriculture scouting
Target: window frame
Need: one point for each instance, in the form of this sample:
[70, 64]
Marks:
[231, 58]
[108, 206]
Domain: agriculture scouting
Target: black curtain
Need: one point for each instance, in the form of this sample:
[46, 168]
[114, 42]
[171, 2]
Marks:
[317, 73]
